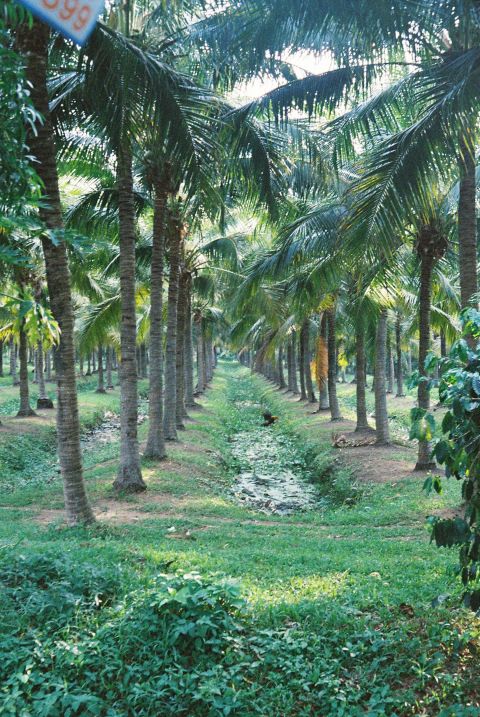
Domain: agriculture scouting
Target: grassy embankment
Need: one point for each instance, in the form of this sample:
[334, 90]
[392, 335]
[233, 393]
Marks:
[338, 618]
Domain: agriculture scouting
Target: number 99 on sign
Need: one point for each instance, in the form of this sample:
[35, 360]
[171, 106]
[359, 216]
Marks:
[76, 12]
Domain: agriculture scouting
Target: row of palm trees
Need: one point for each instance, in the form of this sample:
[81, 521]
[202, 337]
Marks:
[357, 218]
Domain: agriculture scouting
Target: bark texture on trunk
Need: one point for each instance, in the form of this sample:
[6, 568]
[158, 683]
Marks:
[322, 366]
[189, 384]
[129, 476]
[25, 408]
[390, 367]
[301, 363]
[181, 412]
[398, 341]
[13, 362]
[109, 367]
[281, 374]
[43, 400]
[170, 416]
[381, 413]
[308, 369]
[362, 419]
[156, 439]
[33, 43]
[424, 461]
[101, 379]
[467, 227]
[293, 345]
[332, 368]
[201, 370]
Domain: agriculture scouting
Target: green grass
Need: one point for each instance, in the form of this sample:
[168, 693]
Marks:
[338, 612]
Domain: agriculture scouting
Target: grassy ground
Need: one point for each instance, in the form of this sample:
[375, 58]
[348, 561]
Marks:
[343, 592]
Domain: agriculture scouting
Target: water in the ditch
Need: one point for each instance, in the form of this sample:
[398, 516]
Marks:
[271, 477]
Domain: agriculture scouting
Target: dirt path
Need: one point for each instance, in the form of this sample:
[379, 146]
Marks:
[371, 464]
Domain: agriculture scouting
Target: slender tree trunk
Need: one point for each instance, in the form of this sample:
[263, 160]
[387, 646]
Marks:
[424, 461]
[89, 364]
[33, 43]
[467, 227]
[301, 363]
[25, 408]
[101, 381]
[381, 413]
[129, 475]
[35, 365]
[180, 368]
[109, 367]
[281, 374]
[308, 370]
[289, 366]
[324, 404]
[332, 369]
[13, 362]
[1, 357]
[170, 416]
[294, 361]
[156, 438]
[80, 365]
[362, 419]
[398, 341]
[201, 372]
[48, 364]
[208, 348]
[43, 400]
[390, 368]
[189, 385]
[409, 362]
[443, 344]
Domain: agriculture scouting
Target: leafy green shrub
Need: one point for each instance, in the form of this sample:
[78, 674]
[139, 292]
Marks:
[185, 646]
[457, 449]
[27, 460]
[50, 589]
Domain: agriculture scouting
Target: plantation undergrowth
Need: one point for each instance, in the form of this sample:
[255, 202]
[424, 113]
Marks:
[208, 608]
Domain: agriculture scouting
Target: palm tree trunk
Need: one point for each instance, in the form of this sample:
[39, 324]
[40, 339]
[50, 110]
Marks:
[289, 366]
[43, 400]
[208, 349]
[398, 341]
[129, 475]
[362, 419]
[25, 408]
[201, 372]
[443, 344]
[35, 365]
[467, 226]
[308, 370]
[189, 386]
[180, 368]
[301, 362]
[390, 369]
[381, 413]
[332, 368]
[324, 404]
[156, 439]
[424, 461]
[109, 367]
[170, 416]
[48, 362]
[294, 361]
[13, 361]
[33, 43]
[281, 374]
[101, 381]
